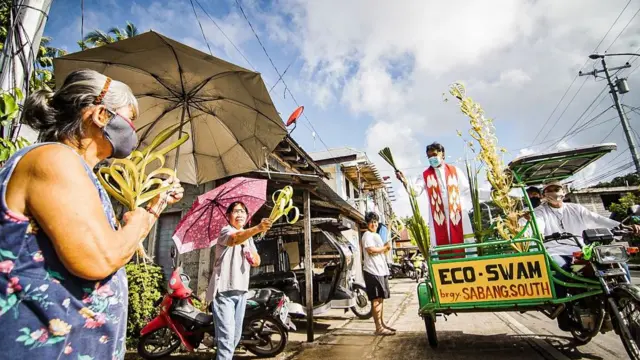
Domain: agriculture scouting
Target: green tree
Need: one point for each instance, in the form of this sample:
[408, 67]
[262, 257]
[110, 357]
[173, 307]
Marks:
[98, 37]
[619, 209]
[632, 179]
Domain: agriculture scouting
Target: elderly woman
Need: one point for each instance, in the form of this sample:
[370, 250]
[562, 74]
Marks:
[63, 288]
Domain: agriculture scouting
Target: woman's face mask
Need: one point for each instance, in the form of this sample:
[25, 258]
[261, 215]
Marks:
[121, 133]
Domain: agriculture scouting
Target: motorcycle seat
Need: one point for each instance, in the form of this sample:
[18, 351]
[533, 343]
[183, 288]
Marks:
[187, 311]
[261, 296]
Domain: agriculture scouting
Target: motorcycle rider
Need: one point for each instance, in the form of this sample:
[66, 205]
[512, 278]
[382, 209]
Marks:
[556, 216]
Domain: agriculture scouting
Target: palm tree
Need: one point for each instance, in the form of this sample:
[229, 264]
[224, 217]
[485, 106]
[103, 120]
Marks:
[100, 38]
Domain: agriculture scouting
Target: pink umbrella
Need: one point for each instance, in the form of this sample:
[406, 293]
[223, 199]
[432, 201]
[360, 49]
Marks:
[199, 229]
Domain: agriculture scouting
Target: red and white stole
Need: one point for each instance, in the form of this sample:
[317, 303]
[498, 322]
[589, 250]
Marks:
[442, 229]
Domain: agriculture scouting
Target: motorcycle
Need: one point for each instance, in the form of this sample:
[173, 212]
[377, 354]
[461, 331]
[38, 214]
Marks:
[363, 308]
[405, 269]
[180, 322]
[601, 259]
[420, 267]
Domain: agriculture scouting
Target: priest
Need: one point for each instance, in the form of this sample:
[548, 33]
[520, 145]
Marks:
[446, 185]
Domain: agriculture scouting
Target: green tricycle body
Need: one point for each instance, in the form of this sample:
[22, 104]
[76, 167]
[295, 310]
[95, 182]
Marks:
[491, 276]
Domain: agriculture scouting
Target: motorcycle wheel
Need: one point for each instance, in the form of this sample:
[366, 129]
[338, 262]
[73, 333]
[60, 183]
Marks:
[163, 340]
[362, 309]
[266, 328]
[627, 320]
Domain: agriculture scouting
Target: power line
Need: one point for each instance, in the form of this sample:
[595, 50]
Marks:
[286, 87]
[579, 118]
[225, 35]
[574, 80]
[624, 28]
[201, 29]
[609, 134]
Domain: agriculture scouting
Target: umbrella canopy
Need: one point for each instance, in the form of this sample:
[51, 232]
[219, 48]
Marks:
[199, 229]
[226, 110]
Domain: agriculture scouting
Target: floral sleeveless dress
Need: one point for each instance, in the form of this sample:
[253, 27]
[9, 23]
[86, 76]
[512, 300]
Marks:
[45, 311]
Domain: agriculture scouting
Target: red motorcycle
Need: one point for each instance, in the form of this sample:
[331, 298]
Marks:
[265, 329]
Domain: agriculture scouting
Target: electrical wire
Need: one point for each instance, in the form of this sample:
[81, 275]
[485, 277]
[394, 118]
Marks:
[225, 35]
[201, 28]
[286, 87]
[574, 80]
[579, 118]
[623, 29]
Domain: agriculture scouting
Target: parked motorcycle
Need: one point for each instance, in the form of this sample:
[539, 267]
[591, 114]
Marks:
[363, 308]
[265, 329]
[404, 269]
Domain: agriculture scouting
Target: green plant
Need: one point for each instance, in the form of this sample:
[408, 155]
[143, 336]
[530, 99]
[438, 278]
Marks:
[620, 208]
[417, 226]
[478, 226]
[146, 283]
[9, 110]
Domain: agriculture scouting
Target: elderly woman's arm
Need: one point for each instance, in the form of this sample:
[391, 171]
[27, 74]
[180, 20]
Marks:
[66, 205]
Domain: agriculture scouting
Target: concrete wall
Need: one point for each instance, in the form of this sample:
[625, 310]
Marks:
[593, 202]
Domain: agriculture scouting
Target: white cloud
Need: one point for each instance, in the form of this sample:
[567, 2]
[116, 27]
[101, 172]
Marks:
[393, 61]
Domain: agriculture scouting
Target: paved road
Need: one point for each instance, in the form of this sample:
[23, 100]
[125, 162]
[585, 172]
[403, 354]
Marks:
[499, 336]
[529, 336]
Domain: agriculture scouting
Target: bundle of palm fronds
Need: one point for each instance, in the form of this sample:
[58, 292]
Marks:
[417, 226]
[472, 175]
[498, 175]
[127, 180]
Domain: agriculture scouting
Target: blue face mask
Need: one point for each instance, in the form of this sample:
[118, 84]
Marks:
[435, 161]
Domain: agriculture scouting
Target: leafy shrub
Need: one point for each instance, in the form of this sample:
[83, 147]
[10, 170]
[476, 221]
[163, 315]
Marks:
[146, 286]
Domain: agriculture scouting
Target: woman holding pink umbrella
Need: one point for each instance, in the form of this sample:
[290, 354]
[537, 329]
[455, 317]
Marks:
[235, 254]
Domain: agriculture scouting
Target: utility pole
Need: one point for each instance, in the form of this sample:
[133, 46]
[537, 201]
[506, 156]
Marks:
[619, 86]
[27, 21]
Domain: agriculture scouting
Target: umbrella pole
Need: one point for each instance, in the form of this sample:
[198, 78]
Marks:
[175, 164]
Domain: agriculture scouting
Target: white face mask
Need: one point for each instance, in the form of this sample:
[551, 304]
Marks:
[555, 196]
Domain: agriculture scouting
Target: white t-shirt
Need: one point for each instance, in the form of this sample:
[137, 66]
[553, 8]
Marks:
[374, 264]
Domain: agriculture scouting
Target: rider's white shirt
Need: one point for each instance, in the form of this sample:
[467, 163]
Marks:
[571, 218]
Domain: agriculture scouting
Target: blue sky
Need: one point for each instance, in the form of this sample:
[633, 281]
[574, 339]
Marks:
[372, 73]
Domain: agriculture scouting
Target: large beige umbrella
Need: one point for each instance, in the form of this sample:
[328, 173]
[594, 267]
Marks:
[225, 109]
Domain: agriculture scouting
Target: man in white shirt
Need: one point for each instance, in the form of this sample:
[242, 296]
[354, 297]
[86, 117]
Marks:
[446, 186]
[556, 216]
[376, 272]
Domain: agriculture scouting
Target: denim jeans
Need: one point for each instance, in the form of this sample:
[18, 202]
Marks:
[228, 312]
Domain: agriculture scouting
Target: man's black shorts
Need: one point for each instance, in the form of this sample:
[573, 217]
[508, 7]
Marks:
[377, 286]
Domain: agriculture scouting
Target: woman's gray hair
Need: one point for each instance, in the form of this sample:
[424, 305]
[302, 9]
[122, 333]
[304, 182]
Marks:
[57, 116]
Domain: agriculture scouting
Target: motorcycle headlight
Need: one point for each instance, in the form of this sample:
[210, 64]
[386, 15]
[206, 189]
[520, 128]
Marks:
[611, 254]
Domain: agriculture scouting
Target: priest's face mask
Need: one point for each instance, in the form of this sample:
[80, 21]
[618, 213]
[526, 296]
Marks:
[436, 158]
[554, 195]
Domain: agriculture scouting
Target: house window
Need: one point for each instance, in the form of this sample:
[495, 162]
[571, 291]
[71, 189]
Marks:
[608, 199]
[166, 226]
[347, 187]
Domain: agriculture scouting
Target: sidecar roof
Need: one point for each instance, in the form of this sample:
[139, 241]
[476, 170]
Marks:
[560, 165]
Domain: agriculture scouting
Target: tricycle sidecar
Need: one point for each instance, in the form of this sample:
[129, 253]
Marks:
[491, 275]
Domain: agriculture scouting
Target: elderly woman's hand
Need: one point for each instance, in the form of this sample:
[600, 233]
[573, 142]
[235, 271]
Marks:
[170, 197]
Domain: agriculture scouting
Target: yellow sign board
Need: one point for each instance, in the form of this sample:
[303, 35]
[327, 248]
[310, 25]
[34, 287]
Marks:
[503, 279]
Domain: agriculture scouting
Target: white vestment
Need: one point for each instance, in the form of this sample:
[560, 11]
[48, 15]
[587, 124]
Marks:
[463, 186]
